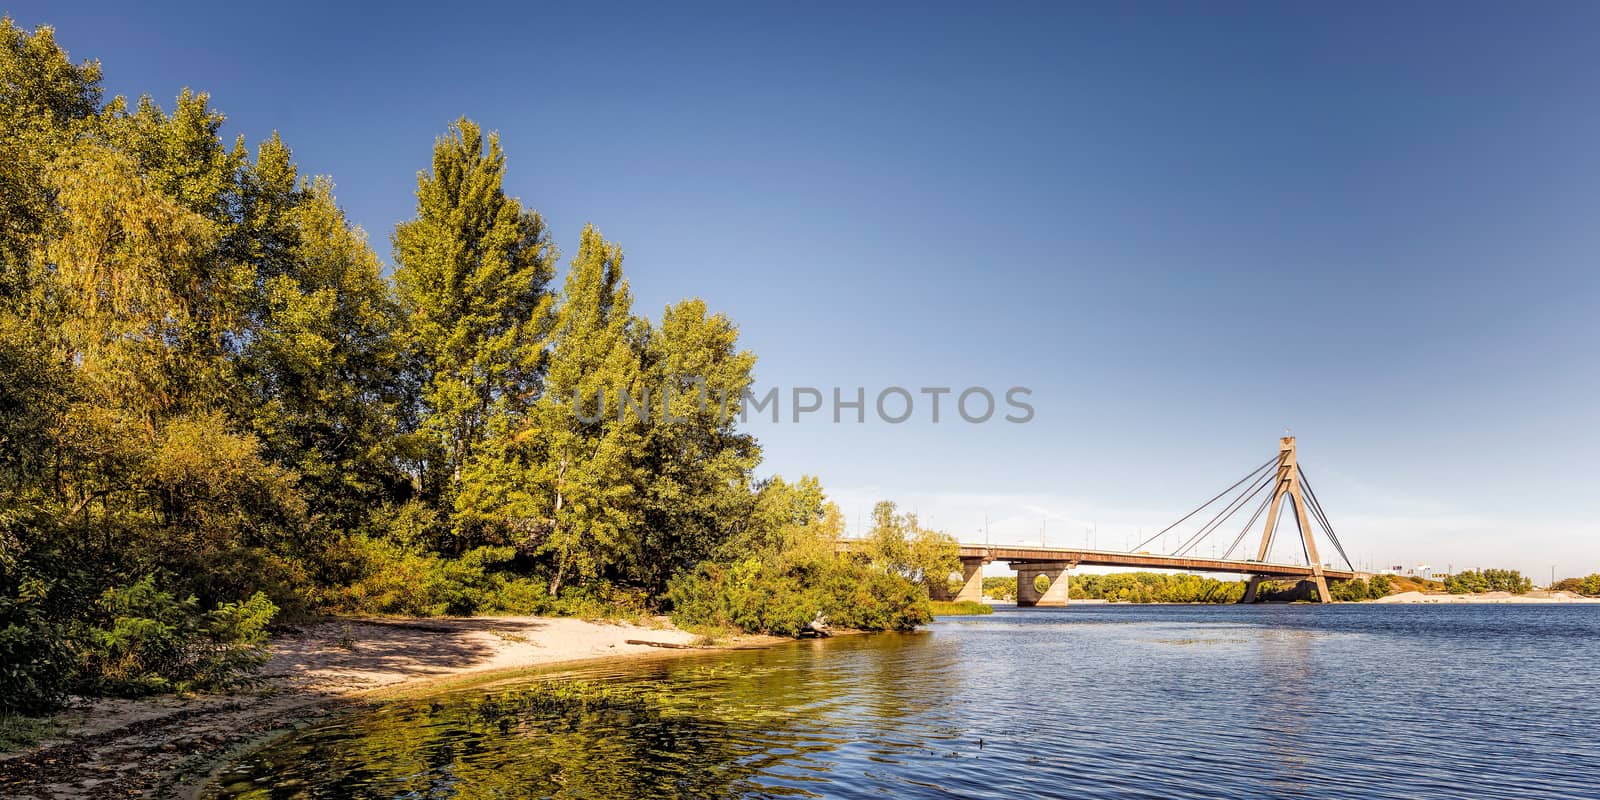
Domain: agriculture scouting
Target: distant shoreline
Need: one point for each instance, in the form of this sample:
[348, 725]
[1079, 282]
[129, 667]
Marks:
[1487, 598]
[1537, 597]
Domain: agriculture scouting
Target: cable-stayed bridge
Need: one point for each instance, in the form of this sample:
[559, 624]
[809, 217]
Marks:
[1280, 483]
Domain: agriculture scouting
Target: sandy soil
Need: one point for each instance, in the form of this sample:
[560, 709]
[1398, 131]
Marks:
[1488, 597]
[165, 746]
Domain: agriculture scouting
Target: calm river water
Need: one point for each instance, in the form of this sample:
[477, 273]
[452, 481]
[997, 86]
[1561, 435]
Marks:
[1089, 701]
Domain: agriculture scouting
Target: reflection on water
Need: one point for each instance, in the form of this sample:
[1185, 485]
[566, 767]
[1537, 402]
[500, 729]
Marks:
[1091, 701]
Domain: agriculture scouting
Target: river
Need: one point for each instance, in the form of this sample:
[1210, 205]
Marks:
[1092, 701]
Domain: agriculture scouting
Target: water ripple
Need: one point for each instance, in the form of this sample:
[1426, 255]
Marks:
[1092, 702]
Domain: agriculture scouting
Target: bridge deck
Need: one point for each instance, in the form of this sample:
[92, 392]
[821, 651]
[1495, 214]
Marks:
[1021, 554]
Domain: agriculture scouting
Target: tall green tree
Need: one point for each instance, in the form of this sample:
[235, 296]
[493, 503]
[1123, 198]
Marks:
[698, 464]
[473, 279]
[324, 369]
[565, 476]
[45, 102]
[899, 543]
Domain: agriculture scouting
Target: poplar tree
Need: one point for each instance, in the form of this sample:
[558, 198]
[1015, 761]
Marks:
[45, 100]
[473, 279]
[697, 462]
[583, 468]
[323, 369]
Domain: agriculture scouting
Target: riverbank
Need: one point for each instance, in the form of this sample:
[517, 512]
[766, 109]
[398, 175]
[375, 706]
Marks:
[1533, 597]
[160, 746]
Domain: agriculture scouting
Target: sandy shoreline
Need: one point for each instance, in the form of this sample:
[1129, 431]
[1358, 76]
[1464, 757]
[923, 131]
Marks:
[165, 746]
[1531, 598]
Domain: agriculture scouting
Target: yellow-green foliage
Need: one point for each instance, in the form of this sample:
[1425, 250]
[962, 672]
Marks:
[400, 580]
[1356, 590]
[942, 608]
[753, 597]
[214, 403]
[1001, 588]
[1489, 580]
[1152, 587]
[145, 640]
[1588, 586]
[791, 573]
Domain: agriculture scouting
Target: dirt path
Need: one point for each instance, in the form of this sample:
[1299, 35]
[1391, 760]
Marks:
[164, 747]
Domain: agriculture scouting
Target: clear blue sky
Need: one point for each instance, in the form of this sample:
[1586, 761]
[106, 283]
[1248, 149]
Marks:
[1184, 226]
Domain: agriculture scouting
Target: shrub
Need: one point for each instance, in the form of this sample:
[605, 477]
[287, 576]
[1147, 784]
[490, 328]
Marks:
[1587, 586]
[38, 598]
[1490, 580]
[753, 597]
[147, 641]
[400, 579]
[1356, 590]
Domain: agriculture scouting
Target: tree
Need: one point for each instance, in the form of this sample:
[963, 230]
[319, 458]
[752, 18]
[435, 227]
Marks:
[147, 314]
[698, 465]
[899, 543]
[324, 371]
[562, 480]
[473, 279]
[1489, 580]
[45, 102]
[788, 522]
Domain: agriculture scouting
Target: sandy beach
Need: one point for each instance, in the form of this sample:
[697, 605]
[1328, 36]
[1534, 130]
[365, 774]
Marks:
[166, 746]
[1534, 597]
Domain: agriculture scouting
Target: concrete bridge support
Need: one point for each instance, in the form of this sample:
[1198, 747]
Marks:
[1314, 589]
[971, 580]
[1055, 572]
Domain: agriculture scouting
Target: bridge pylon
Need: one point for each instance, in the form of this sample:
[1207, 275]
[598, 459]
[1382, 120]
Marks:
[1289, 484]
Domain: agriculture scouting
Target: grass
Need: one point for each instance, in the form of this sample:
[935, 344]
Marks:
[963, 608]
[17, 732]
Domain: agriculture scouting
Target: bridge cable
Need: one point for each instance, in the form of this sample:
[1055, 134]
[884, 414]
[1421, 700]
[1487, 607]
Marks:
[1320, 516]
[1328, 524]
[1197, 509]
[1226, 512]
[1247, 526]
[1224, 515]
[1316, 505]
[1189, 547]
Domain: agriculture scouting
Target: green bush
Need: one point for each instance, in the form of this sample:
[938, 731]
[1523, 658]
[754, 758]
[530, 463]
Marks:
[1356, 590]
[753, 597]
[147, 641]
[1586, 586]
[1001, 588]
[396, 579]
[38, 598]
[1489, 580]
[391, 578]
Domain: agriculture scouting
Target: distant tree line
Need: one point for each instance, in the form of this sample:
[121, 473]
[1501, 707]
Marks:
[1589, 585]
[1155, 587]
[1358, 589]
[216, 409]
[1489, 580]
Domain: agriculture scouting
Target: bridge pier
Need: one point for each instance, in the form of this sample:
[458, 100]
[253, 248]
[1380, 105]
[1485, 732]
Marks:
[1252, 587]
[1056, 572]
[1316, 587]
[971, 579]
